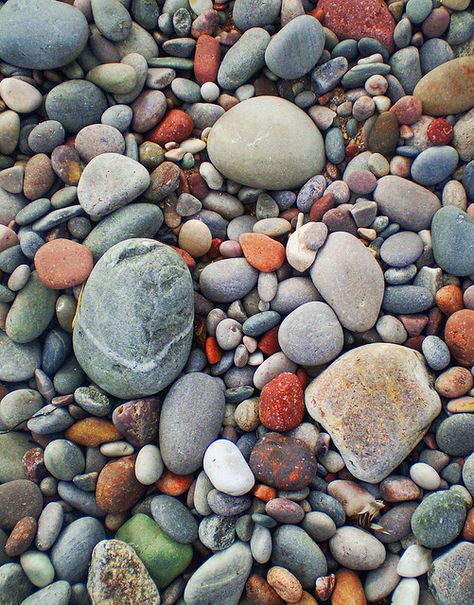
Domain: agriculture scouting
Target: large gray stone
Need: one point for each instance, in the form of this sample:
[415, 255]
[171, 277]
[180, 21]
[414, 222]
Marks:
[268, 143]
[350, 280]
[13, 446]
[452, 231]
[191, 418]
[41, 34]
[376, 402]
[14, 585]
[57, 593]
[451, 577]
[135, 323]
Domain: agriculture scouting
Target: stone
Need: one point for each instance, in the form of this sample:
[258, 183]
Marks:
[227, 469]
[221, 578]
[19, 498]
[20, 96]
[191, 418]
[262, 252]
[63, 459]
[57, 593]
[112, 19]
[227, 280]
[447, 89]
[117, 487]
[296, 48]
[401, 249]
[434, 165]
[14, 585]
[395, 407]
[138, 420]
[135, 270]
[350, 280]
[415, 561]
[459, 336]
[41, 46]
[96, 139]
[463, 139]
[111, 181]
[281, 406]
[406, 203]
[72, 551]
[164, 558]
[116, 574]
[452, 232]
[174, 518]
[239, 142]
[349, 589]
[294, 549]
[451, 577]
[62, 263]
[439, 519]
[75, 104]
[244, 59]
[356, 549]
[379, 583]
[255, 13]
[454, 434]
[311, 335]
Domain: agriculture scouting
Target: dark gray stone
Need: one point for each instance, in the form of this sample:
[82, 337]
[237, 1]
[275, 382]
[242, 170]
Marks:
[57, 593]
[455, 435]
[407, 299]
[174, 518]
[244, 59]
[255, 13]
[14, 585]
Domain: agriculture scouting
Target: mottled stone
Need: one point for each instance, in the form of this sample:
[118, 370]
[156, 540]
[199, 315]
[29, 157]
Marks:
[451, 577]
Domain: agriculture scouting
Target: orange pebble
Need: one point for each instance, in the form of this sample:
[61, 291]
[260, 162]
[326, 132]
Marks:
[349, 590]
[268, 344]
[92, 432]
[449, 299]
[264, 492]
[262, 252]
[173, 485]
[213, 350]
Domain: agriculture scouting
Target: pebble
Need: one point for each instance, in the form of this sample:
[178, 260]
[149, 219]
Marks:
[452, 240]
[415, 561]
[425, 476]
[174, 518]
[380, 582]
[228, 280]
[148, 465]
[436, 352]
[443, 577]
[227, 469]
[281, 405]
[453, 435]
[439, 519]
[20, 96]
[57, 593]
[434, 165]
[258, 120]
[356, 549]
[243, 60]
[406, 593]
[401, 249]
[63, 264]
[50, 523]
[63, 459]
[459, 336]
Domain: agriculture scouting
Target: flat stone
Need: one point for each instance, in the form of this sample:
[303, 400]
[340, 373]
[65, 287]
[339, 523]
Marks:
[406, 203]
[30, 37]
[227, 280]
[62, 263]
[393, 407]
[244, 59]
[255, 13]
[451, 577]
[191, 418]
[174, 518]
[136, 356]
[116, 574]
[14, 585]
[240, 140]
[57, 593]
[434, 165]
[117, 488]
[452, 232]
[350, 280]
[18, 361]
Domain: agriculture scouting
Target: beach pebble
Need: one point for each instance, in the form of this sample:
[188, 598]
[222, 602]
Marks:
[355, 549]
[223, 455]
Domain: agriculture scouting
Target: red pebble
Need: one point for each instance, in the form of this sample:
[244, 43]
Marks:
[281, 403]
[173, 485]
[188, 259]
[321, 206]
[213, 251]
[176, 126]
[440, 132]
[213, 351]
[262, 252]
[268, 344]
[302, 377]
[206, 59]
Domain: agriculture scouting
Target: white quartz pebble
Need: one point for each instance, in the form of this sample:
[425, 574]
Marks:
[227, 469]
[406, 593]
[415, 561]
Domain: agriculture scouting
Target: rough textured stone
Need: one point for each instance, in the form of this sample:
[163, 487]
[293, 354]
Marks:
[381, 392]
[451, 577]
[134, 327]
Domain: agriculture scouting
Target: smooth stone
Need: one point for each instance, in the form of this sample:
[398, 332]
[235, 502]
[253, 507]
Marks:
[92, 401]
[14, 585]
[227, 506]
[20, 96]
[31, 312]
[296, 48]
[292, 293]
[451, 577]
[75, 104]
[227, 469]
[37, 567]
[41, 46]
[407, 592]
[72, 551]
[134, 221]
[164, 558]
[138, 41]
[117, 574]
[407, 299]
[447, 89]
[216, 532]
[319, 526]
[18, 406]
[191, 418]
[463, 139]
[401, 400]
[227, 280]
[379, 583]
[64, 459]
[401, 249]
[452, 232]
[405, 64]
[350, 280]
[57, 593]
[149, 465]
[468, 474]
[244, 59]
[112, 19]
[239, 141]
[50, 523]
[79, 499]
[356, 549]
[433, 53]
[50, 419]
[295, 550]
[406, 203]
[255, 13]
[221, 578]
[415, 561]
[13, 446]
[174, 519]
[119, 279]
[111, 181]
[436, 352]
[455, 435]
[96, 139]
[328, 75]
[19, 498]
[439, 519]
[434, 165]
[311, 335]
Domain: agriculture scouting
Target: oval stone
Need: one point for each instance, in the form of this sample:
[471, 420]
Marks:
[134, 326]
[191, 418]
[452, 231]
[240, 142]
[350, 280]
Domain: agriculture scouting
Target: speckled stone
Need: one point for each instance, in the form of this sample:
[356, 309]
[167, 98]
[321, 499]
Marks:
[116, 353]
[439, 519]
[401, 400]
[451, 577]
[452, 231]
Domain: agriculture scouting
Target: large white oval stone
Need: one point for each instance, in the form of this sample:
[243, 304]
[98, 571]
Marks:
[268, 143]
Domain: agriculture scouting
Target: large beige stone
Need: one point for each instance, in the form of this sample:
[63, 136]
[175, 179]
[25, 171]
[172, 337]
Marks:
[268, 143]
[376, 402]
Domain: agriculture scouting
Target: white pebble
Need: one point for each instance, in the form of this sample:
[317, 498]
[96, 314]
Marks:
[375, 58]
[382, 103]
[425, 476]
[193, 145]
[261, 544]
[210, 91]
[227, 469]
[175, 155]
[211, 175]
[116, 449]
[20, 96]
[244, 92]
[415, 561]
[406, 593]
[148, 465]
[256, 358]
[332, 461]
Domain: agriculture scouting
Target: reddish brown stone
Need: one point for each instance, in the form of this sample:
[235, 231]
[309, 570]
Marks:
[137, 420]
[281, 403]
[39, 177]
[197, 185]
[62, 263]
[348, 589]
[435, 320]
[282, 462]
[33, 464]
[321, 206]
[414, 324]
[206, 23]
[148, 110]
[399, 489]
[383, 137]
[21, 537]
[407, 109]
[459, 336]
[340, 219]
[176, 126]
[259, 592]
[449, 299]
[440, 132]
[358, 19]
[67, 164]
[454, 382]
[206, 59]
[117, 487]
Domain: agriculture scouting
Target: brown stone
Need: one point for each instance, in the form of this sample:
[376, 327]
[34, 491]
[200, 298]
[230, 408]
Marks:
[21, 537]
[62, 263]
[399, 489]
[67, 164]
[383, 137]
[148, 110]
[39, 177]
[459, 336]
[117, 487]
[18, 499]
[259, 592]
[454, 382]
[176, 126]
[349, 589]
[92, 432]
[449, 299]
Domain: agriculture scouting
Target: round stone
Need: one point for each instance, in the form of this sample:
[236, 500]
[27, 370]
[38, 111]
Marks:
[143, 339]
[64, 459]
[174, 518]
[459, 336]
[239, 144]
[227, 469]
[227, 280]
[117, 487]
[62, 263]
[149, 465]
[455, 435]
[401, 249]
[452, 232]
[439, 519]
[281, 406]
[311, 334]
[356, 549]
